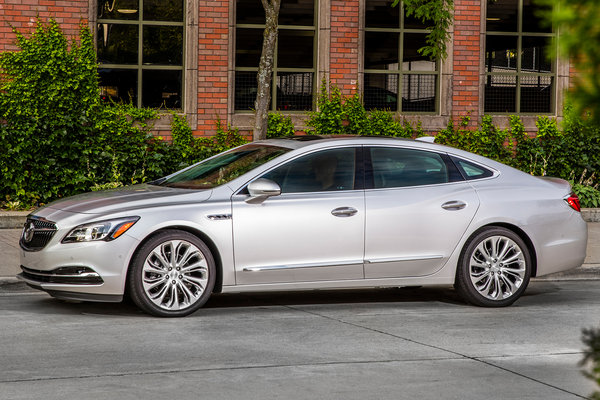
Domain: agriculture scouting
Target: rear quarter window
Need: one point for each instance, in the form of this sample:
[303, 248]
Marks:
[470, 170]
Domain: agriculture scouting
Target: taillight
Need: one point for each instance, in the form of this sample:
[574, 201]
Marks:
[573, 201]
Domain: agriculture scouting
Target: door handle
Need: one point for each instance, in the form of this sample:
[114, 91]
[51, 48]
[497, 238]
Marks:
[344, 211]
[454, 205]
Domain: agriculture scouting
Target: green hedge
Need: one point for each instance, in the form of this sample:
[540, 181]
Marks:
[57, 138]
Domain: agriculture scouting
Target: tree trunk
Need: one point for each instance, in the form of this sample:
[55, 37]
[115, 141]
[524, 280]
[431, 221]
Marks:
[265, 69]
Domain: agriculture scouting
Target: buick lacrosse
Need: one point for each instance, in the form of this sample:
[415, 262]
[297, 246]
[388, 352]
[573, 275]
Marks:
[308, 213]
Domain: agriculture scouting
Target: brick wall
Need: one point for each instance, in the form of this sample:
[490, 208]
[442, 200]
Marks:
[344, 45]
[213, 22]
[467, 53]
[21, 14]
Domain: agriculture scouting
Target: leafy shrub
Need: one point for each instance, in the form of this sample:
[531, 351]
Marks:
[48, 99]
[591, 339]
[488, 141]
[589, 196]
[58, 139]
[280, 125]
[337, 115]
[328, 120]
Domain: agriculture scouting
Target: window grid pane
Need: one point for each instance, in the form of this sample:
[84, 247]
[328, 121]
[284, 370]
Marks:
[245, 90]
[520, 76]
[392, 42]
[294, 64]
[294, 91]
[381, 91]
[157, 32]
[419, 93]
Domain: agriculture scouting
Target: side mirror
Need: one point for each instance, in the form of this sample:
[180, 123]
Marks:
[261, 189]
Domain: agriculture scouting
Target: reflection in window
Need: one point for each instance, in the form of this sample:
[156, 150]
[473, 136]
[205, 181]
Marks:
[397, 167]
[393, 64]
[323, 171]
[520, 76]
[294, 64]
[141, 53]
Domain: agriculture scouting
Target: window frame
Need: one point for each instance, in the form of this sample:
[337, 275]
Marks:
[312, 28]
[401, 31]
[139, 67]
[518, 74]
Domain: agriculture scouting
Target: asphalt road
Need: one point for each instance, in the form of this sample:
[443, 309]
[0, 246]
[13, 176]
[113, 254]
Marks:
[370, 344]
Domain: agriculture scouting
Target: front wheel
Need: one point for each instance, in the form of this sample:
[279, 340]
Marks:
[172, 274]
[494, 268]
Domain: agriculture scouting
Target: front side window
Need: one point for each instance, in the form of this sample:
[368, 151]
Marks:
[398, 167]
[294, 63]
[520, 77]
[323, 171]
[140, 51]
[397, 77]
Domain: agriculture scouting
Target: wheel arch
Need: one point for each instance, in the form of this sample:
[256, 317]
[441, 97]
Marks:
[200, 235]
[521, 233]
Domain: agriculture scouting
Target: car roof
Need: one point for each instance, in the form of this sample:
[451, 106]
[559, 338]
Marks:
[315, 142]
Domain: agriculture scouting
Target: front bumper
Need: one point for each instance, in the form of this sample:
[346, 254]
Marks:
[91, 271]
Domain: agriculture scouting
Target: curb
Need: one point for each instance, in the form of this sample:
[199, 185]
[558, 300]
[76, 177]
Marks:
[13, 219]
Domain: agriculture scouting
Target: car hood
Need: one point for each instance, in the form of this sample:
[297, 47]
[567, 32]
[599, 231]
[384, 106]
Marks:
[125, 199]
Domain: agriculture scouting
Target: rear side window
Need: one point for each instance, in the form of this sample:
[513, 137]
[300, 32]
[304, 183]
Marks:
[399, 167]
[470, 170]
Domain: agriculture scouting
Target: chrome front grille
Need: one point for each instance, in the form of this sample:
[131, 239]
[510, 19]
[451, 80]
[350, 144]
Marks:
[37, 232]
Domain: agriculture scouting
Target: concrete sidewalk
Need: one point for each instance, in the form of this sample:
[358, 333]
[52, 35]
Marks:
[9, 253]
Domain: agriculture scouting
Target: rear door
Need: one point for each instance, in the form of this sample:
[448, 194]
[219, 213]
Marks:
[418, 208]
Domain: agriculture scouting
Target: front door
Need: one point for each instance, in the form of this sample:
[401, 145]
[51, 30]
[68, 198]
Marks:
[313, 231]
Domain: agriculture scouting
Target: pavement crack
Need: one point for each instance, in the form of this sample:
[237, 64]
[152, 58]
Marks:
[460, 355]
[220, 369]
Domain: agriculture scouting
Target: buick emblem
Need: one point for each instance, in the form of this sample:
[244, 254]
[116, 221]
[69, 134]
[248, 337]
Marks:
[28, 232]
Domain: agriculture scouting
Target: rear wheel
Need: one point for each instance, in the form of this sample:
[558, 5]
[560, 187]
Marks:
[494, 268]
[172, 274]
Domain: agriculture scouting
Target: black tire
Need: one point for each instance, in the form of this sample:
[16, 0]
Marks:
[494, 268]
[172, 274]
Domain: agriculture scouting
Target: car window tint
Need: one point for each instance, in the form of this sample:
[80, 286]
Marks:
[326, 170]
[398, 167]
[470, 170]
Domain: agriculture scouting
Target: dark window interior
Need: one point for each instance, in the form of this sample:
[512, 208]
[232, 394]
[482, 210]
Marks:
[322, 171]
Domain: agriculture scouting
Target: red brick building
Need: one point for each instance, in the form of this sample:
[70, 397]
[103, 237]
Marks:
[201, 57]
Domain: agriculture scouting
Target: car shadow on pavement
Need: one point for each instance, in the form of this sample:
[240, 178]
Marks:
[538, 293]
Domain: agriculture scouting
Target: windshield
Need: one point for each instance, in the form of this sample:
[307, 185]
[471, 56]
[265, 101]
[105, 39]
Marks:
[224, 167]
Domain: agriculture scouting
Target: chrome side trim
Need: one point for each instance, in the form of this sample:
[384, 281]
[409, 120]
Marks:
[399, 259]
[311, 265]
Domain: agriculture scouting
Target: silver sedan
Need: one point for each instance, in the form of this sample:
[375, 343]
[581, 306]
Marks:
[308, 213]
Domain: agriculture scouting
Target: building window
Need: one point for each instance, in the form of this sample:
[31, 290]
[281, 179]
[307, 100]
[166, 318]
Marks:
[392, 63]
[295, 55]
[140, 51]
[520, 77]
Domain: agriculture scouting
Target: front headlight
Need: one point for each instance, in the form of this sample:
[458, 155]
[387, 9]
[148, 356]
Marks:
[102, 230]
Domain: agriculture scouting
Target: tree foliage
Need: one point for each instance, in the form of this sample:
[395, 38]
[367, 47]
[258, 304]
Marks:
[591, 339]
[579, 40]
[438, 16]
